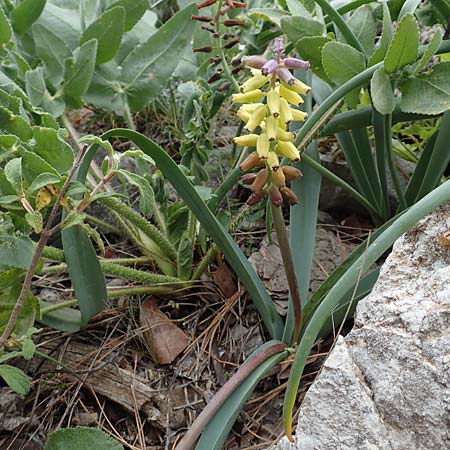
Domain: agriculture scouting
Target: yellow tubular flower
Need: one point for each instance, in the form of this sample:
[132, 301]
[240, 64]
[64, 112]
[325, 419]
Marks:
[263, 146]
[290, 95]
[283, 135]
[249, 107]
[273, 102]
[299, 87]
[243, 115]
[248, 97]
[248, 140]
[255, 82]
[256, 118]
[298, 115]
[273, 161]
[289, 150]
[271, 127]
[285, 112]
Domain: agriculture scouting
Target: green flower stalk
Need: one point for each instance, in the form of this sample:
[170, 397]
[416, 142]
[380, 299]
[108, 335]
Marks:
[269, 112]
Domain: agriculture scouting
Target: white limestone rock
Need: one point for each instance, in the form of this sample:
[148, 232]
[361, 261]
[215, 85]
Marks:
[387, 384]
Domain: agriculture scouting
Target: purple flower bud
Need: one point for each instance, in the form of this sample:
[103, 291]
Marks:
[255, 62]
[286, 76]
[278, 46]
[269, 67]
[295, 63]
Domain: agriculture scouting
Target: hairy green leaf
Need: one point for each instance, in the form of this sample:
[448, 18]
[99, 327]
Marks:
[386, 36]
[381, 91]
[81, 438]
[134, 10]
[428, 93]
[149, 66]
[5, 28]
[108, 30]
[14, 124]
[53, 51]
[429, 52]
[13, 173]
[341, 63]
[404, 47]
[364, 27]
[78, 72]
[297, 27]
[25, 14]
[269, 14]
[310, 49]
[28, 314]
[35, 86]
[51, 146]
[16, 252]
[35, 220]
[15, 378]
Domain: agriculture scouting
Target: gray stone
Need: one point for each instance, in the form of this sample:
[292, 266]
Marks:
[386, 385]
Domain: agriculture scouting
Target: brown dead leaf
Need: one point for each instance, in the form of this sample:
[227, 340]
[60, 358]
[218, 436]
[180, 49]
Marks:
[223, 277]
[163, 338]
[444, 239]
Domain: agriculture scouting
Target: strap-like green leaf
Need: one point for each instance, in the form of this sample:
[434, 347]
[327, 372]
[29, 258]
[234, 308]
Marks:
[402, 224]
[85, 272]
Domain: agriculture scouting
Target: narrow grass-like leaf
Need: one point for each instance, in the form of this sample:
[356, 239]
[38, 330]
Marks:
[439, 159]
[302, 229]
[208, 220]
[356, 159]
[378, 123]
[373, 252]
[415, 182]
[349, 301]
[362, 117]
[217, 430]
